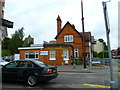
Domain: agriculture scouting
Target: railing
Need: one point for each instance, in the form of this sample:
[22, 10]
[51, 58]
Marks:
[101, 61]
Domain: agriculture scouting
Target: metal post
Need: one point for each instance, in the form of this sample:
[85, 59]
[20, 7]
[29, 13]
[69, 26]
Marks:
[0, 56]
[103, 53]
[90, 54]
[112, 82]
[84, 54]
[0, 43]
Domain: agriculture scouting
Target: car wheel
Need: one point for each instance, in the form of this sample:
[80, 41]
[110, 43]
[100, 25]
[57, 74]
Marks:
[31, 81]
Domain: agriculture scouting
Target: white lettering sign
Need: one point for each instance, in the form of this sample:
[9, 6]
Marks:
[43, 52]
[96, 62]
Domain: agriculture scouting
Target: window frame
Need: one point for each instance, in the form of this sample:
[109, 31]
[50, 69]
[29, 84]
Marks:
[68, 38]
[76, 56]
[52, 54]
[36, 54]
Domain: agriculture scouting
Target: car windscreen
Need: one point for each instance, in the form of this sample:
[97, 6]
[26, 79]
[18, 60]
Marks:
[40, 63]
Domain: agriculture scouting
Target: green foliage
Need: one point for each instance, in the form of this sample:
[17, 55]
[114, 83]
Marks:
[104, 43]
[95, 54]
[16, 41]
[11, 44]
[19, 34]
[103, 54]
[6, 52]
[101, 40]
[105, 46]
[5, 43]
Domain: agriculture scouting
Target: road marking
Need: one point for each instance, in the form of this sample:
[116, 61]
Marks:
[100, 86]
[82, 73]
[74, 73]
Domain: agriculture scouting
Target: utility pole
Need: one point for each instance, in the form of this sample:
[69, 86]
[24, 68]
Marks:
[112, 82]
[83, 35]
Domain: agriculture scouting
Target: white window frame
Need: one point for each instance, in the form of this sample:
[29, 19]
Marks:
[76, 51]
[68, 38]
[66, 54]
[52, 54]
[27, 54]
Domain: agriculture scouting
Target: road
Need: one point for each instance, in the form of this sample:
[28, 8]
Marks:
[69, 80]
[73, 80]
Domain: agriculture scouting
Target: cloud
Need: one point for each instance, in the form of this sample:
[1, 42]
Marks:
[38, 17]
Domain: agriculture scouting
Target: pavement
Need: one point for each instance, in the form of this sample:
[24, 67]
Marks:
[81, 69]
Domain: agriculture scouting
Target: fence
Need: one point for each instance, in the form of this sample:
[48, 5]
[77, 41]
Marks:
[101, 61]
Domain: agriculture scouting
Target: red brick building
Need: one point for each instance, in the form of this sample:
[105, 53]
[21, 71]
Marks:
[67, 47]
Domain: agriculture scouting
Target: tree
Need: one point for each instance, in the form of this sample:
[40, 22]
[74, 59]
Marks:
[103, 54]
[95, 54]
[5, 47]
[101, 40]
[104, 43]
[6, 52]
[5, 43]
[16, 41]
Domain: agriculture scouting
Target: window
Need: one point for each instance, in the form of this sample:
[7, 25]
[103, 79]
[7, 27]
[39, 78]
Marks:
[76, 53]
[68, 38]
[40, 63]
[31, 55]
[24, 64]
[65, 52]
[52, 54]
[11, 65]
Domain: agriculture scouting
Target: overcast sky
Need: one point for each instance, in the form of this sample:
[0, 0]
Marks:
[38, 17]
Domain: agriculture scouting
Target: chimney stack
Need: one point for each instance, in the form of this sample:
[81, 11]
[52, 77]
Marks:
[58, 24]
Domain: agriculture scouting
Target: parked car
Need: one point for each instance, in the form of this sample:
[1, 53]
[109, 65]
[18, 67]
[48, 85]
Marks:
[6, 58]
[3, 62]
[116, 57]
[30, 71]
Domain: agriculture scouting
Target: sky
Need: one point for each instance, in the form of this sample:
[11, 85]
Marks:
[38, 17]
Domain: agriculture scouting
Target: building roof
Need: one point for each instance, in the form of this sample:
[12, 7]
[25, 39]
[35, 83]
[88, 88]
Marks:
[23, 48]
[61, 44]
[64, 27]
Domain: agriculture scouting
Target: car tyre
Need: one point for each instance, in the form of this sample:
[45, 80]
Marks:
[32, 80]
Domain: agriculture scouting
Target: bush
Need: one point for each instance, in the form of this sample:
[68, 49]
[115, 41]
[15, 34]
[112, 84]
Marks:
[95, 54]
[103, 54]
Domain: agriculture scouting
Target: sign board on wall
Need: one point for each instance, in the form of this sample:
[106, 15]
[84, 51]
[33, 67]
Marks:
[43, 52]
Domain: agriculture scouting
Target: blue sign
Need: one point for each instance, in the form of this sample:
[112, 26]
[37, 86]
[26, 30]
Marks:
[43, 52]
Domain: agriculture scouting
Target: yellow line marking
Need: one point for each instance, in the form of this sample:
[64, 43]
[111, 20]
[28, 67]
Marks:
[82, 73]
[74, 73]
[100, 86]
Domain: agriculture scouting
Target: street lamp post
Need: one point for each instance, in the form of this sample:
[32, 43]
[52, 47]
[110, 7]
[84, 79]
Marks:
[112, 82]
